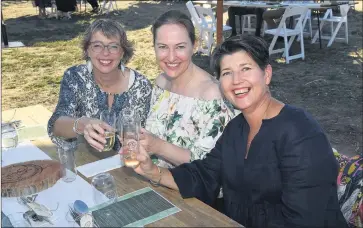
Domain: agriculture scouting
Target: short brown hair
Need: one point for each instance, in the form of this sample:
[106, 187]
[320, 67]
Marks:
[110, 28]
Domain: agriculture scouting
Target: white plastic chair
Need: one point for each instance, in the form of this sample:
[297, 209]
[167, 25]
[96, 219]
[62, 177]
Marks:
[284, 32]
[328, 17]
[208, 29]
[107, 6]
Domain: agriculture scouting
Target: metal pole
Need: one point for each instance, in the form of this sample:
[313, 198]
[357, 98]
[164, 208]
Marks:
[318, 16]
[3, 31]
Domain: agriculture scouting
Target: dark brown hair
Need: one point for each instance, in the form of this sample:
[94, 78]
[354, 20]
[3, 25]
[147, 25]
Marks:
[174, 17]
[254, 46]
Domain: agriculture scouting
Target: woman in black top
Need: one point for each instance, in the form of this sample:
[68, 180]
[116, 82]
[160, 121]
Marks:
[273, 161]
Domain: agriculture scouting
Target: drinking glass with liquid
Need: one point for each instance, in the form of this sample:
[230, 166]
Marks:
[109, 117]
[130, 141]
[9, 136]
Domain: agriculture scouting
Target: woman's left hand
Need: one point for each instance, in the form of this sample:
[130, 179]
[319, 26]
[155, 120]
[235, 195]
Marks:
[149, 141]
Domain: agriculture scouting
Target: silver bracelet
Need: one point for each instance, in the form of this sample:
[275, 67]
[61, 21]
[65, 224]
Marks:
[75, 126]
[155, 184]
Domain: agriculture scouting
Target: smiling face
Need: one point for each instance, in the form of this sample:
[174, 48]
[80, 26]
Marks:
[173, 49]
[243, 82]
[104, 60]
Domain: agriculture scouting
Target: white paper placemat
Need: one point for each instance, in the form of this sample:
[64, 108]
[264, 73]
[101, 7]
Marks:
[100, 166]
[56, 198]
[25, 151]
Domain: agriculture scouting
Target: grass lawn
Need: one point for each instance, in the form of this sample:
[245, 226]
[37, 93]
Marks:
[328, 83]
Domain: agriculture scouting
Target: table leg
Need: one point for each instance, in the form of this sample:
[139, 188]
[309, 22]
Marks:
[318, 15]
[4, 34]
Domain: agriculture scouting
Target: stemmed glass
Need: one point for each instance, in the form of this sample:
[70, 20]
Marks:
[109, 117]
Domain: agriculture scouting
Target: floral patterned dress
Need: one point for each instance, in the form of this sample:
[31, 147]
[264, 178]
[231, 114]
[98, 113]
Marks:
[350, 188]
[81, 96]
[187, 122]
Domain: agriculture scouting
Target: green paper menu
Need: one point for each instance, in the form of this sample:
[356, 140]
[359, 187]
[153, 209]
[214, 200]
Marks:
[135, 209]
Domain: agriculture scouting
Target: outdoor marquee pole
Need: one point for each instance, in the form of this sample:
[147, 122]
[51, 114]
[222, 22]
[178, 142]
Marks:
[219, 21]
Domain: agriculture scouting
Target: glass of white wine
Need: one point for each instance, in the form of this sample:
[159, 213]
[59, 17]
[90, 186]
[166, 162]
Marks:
[109, 117]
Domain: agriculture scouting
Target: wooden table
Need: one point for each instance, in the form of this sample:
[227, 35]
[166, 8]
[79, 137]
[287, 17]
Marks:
[193, 212]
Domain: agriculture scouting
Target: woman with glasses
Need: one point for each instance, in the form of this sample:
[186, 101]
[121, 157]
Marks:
[103, 83]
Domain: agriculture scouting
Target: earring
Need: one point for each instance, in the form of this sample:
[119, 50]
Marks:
[89, 65]
[121, 66]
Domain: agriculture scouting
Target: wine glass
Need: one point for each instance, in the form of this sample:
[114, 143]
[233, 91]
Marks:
[104, 188]
[109, 117]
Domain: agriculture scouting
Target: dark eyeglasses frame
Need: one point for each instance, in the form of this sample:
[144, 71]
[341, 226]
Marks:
[105, 46]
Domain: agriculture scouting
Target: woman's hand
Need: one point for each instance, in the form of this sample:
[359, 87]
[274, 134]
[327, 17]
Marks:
[149, 170]
[149, 141]
[94, 133]
[146, 166]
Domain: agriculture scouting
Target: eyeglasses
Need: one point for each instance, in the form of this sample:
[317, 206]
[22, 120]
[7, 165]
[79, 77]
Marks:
[111, 48]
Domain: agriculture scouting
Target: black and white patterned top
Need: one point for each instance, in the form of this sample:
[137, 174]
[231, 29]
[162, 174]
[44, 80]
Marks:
[81, 96]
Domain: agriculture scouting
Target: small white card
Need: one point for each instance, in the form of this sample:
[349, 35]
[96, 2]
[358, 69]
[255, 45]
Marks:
[100, 166]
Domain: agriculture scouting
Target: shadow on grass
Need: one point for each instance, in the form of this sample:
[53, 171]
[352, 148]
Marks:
[328, 83]
[138, 15]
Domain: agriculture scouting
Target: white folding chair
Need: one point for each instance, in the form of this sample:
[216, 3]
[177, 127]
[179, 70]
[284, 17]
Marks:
[329, 17]
[53, 10]
[284, 32]
[246, 23]
[208, 29]
[197, 21]
[306, 21]
[107, 6]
